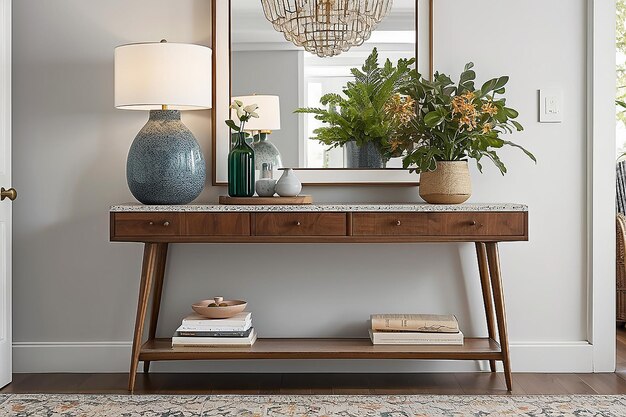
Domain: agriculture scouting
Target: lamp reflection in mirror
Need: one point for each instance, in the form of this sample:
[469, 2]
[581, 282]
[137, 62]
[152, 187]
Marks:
[261, 127]
[165, 164]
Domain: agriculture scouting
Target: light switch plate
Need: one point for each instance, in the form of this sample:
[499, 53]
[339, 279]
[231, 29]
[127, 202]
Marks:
[550, 105]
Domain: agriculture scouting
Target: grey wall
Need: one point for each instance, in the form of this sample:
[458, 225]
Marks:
[75, 293]
[274, 73]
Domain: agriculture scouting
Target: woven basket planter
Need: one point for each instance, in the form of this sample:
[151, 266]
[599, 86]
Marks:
[449, 183]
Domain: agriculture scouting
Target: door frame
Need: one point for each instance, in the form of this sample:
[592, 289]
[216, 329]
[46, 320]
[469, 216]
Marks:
[5, 137]
[601, 182]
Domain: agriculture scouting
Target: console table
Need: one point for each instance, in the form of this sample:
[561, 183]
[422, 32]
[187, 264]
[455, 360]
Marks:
[157, 226]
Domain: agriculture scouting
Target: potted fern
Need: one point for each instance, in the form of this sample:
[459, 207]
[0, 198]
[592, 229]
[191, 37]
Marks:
[358, 120]
[454, 123]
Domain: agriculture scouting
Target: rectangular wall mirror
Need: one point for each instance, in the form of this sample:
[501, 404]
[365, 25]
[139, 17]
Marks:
[250, 57]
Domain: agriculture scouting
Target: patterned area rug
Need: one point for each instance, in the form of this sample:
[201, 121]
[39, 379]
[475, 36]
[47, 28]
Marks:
[310, 406]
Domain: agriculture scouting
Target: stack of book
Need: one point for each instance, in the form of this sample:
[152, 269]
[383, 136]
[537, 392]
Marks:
[199, 331]
[415, 329]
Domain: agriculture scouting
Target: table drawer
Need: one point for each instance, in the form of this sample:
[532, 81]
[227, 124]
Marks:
[440, 224]
[479, 224]
[147, 224]
[217, 224]
[389, 224]
[300, 224]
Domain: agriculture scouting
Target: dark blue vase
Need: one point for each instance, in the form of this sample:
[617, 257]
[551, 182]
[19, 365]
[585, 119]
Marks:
[165, 163]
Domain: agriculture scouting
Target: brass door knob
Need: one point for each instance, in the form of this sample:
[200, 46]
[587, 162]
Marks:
[398, 223]
[11, 194]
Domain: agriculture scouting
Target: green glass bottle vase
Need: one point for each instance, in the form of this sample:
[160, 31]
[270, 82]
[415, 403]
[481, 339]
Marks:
[241, 168]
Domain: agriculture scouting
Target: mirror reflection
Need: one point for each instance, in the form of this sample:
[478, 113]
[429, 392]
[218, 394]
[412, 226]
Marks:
[285, 78]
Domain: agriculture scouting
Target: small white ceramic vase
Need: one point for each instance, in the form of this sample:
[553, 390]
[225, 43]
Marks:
[266, 187]
[288, 185]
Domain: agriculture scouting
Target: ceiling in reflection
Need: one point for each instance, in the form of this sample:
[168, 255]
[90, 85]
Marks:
[251, 31]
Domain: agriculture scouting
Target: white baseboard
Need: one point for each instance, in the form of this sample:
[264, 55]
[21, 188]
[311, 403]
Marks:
[45, 357]
[554, 357]
[71, 356]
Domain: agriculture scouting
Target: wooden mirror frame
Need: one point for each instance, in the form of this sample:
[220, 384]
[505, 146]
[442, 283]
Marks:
[221, 45]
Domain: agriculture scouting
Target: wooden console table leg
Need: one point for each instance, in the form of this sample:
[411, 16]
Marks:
[498, 296]
[483, 269]
[147, 274]
[159, 277]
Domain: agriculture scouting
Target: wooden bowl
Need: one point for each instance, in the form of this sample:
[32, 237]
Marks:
[232, 308]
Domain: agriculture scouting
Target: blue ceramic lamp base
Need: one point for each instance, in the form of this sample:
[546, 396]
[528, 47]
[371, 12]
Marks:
[265, 152]
[165, 163]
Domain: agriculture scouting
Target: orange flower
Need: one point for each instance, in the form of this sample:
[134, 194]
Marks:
[489, 108]
[487, 127]
[469, 95]
[401, 108]
[463, 105]
[468, 121]
[395, 144]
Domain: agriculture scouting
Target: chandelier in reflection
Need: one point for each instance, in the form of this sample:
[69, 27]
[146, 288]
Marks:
[326, 27]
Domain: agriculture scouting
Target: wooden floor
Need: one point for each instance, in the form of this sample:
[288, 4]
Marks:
[440, 383]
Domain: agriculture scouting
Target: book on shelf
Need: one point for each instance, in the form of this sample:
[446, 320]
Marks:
[181, 331]
[195, 322]
[426, 323]
[415, 338]
[197, 341]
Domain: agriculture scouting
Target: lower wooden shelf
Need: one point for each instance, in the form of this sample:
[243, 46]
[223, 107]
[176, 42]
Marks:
[472, 349]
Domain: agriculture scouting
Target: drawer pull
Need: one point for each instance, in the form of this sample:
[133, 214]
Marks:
[398, 223]
[298, 223]
[165, 223]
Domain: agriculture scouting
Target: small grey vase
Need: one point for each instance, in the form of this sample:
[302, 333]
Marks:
[165, 163]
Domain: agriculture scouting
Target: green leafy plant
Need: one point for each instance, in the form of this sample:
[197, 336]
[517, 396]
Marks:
[360, 114]
[454, 122]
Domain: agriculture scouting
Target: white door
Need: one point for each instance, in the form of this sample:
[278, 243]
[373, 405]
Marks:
[7, 195]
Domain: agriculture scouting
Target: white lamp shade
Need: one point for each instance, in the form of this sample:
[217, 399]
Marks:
[268, 111]
[150, 75]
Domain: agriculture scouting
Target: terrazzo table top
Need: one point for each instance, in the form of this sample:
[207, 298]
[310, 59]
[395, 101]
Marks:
[330, 207]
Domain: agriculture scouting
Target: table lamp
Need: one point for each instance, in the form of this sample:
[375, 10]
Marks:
[165, 164]
[261, 127]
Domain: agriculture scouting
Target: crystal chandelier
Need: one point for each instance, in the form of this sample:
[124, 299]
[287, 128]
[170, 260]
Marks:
[326, 27]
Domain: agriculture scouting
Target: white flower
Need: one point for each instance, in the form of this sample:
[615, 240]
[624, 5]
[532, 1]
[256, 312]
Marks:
[251, 110]
[238, 107]
[247, 111]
